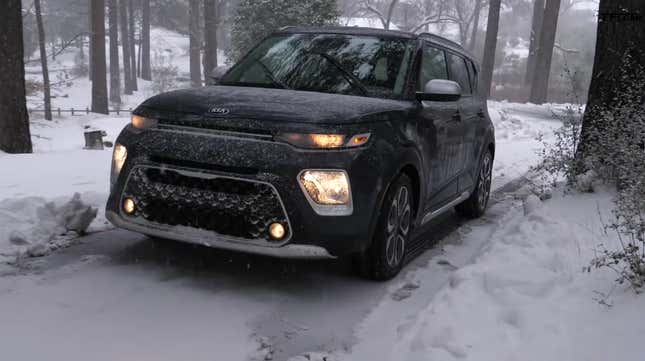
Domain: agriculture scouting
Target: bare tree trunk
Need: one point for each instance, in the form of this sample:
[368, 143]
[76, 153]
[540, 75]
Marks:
[619, 68]
[146, 72]
[540, 83]
[139, 59]
[490, 46]
[195, 45]
[43, 60]
[536, 28]
[475, 29]
[115, 76]
[89, 42]
[99, 68]
[131, 41]
[14, 119]
[210, 37]
[125, 45]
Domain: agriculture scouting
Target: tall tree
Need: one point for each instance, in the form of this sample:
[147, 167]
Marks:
[125, 45]
[618, 72]
[534, 44]
[115, 76]
[384, 17]
[14, 119]
[146, 72]
[475, 30]
[490, 47]
[195, 44]
[43, 60]
[131, 41]
[211, 19]
[540, 83]
[99, 67]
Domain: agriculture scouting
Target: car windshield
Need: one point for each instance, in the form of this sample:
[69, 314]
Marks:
[330, 63]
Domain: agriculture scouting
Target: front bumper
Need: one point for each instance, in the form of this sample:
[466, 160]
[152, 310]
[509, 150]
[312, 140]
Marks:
[205, 238]
[263, 161]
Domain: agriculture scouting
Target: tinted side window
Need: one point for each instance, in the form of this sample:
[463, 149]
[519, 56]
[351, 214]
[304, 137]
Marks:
[472, 71]
[433, 66]
[459, 72]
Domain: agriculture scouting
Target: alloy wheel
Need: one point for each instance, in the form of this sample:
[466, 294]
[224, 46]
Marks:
[485, 179]
[398, 227]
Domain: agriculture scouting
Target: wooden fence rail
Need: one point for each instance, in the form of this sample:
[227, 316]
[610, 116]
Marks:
[73, 111]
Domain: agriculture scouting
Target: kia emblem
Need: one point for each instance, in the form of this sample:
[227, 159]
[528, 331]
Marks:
[219, 111]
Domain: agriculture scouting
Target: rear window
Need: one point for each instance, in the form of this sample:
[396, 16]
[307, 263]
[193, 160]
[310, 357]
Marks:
[459, 72]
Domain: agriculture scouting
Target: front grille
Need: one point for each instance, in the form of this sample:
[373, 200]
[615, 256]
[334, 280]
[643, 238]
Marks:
[228, 206]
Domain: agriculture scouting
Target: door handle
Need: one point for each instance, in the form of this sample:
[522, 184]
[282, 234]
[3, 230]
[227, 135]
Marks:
[456, 117]
[481, 113]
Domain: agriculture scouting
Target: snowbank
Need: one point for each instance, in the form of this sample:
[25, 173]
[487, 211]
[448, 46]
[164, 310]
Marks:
[34, 227]
[526, 297]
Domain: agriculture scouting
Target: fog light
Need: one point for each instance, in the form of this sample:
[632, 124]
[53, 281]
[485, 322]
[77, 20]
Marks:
[276, 230]
[128, 206]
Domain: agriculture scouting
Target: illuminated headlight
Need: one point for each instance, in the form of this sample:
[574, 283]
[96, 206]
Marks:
[140, 122]
[118, 160]
[328, 191]
[324, 141]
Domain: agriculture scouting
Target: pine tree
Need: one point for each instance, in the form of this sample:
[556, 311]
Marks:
[43, 60]
[490, 46]
[540, 83]
[99, 68]
[115, 76]
[131, 41]
[14, 119]
[125, 44]
[146, 72]
[254, 20]
[618, 77]
[195, 40]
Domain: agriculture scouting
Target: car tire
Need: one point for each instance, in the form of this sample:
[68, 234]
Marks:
[385, 257]
[475, 205]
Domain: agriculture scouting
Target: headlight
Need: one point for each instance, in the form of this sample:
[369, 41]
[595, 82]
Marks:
[118, 159]
[140, 122]
[327, 191]
[324, 141]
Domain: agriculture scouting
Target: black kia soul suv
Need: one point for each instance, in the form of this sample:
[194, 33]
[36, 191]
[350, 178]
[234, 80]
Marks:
[319, 143]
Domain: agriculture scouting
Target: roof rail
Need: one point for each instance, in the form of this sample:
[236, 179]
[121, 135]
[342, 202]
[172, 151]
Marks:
[441, 39]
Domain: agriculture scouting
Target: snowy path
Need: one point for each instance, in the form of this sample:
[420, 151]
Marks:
[119, 294]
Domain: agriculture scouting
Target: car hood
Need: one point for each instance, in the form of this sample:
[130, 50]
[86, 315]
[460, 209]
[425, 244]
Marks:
[273, 104]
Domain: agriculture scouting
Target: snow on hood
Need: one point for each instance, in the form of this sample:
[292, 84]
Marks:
[274, 104]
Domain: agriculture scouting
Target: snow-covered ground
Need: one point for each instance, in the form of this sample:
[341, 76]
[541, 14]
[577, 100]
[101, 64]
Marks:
[508, 286]
[524, 296]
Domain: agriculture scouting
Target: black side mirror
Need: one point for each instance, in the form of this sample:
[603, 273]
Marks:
[440, 90]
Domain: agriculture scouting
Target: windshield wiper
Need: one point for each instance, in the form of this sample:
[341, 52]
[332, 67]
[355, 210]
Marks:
[351, 78]
[272, 77]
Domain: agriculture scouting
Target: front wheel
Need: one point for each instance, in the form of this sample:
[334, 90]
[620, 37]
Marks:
[386, 255]
[475, 205]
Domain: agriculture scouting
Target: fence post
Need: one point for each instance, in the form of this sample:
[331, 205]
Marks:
[59, 112]
[72, 111]
[117, 110]
[87, 110]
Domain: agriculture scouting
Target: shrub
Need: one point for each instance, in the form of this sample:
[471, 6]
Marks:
[164, 73]
[616, 155]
